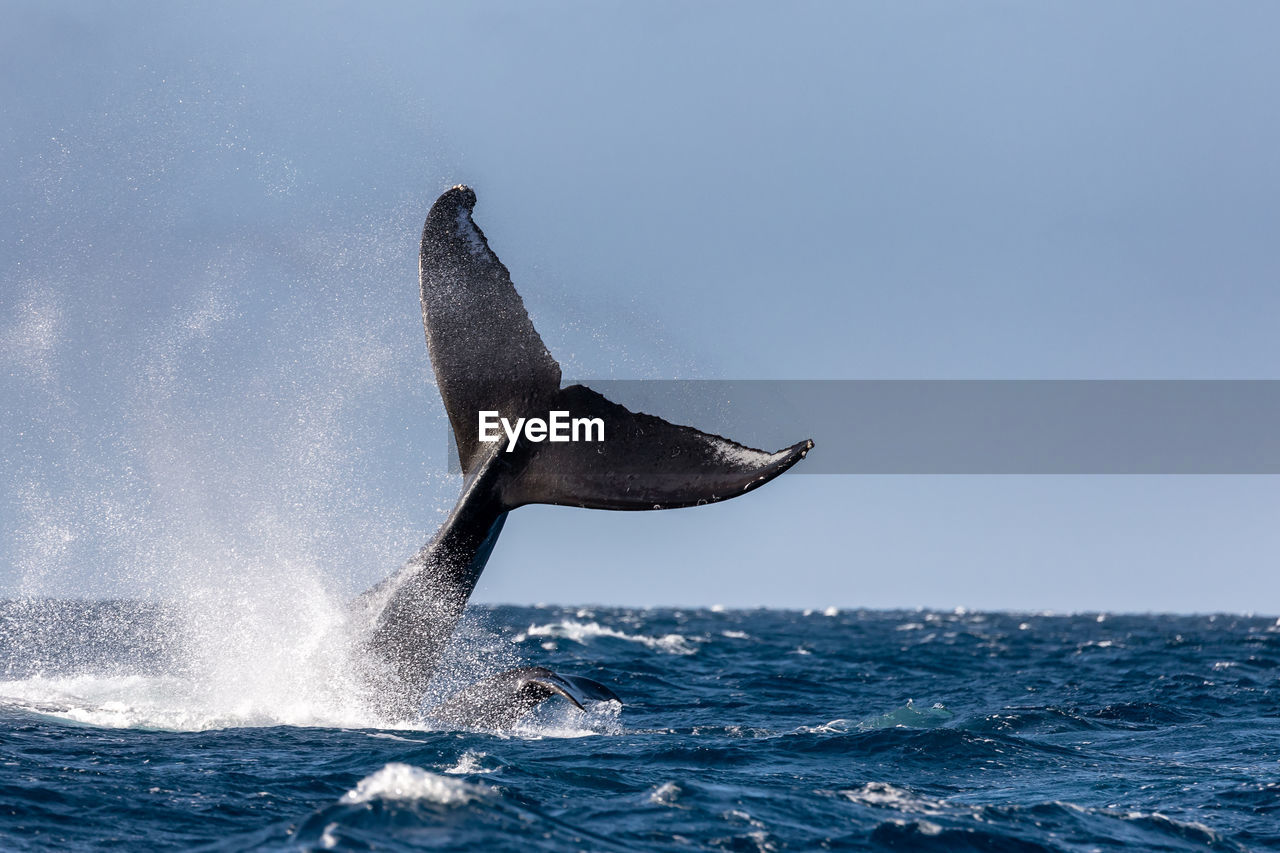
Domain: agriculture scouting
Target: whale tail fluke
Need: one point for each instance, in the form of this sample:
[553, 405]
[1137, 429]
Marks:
[488, 356]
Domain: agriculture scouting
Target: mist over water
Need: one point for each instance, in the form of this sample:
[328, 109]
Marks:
[226, 477]
[206, 353]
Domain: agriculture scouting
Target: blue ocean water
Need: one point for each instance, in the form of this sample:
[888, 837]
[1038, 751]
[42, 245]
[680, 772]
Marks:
[742, 730]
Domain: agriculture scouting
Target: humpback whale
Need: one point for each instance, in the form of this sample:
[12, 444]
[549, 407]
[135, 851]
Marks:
[487, 357]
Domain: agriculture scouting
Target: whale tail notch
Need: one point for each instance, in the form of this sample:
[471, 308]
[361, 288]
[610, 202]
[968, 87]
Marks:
[487, 355]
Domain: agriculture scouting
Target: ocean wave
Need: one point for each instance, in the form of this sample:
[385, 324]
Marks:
[909, 716]
[943, 825]
[470, 762]
[402, 806]
[885, 795]
[738, 747]
[398, 781]
[665, 794]
[584, 632]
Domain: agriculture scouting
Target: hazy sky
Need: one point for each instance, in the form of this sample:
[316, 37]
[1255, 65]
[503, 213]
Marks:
[210, 343]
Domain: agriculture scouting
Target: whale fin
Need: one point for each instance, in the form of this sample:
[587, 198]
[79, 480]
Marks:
[498, 703]
[644, 463]
[484, 349]
[488, 356]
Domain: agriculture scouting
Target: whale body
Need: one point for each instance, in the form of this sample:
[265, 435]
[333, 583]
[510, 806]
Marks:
[487, 357]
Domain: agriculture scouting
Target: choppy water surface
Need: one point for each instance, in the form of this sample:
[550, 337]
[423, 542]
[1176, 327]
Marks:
[742, 730]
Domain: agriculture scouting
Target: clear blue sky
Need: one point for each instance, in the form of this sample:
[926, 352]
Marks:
[210, 350]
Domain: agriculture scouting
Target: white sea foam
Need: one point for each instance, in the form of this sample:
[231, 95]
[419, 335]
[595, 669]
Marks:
[327, 839]
[471, 761]
[261, 656]
[240, 654]
[665, 794]
[882, 794]
[171, 703]
[390, 736]
[1098, 644]
[404, 782]
[1163, 821]
[562, 720]
[759, 834]
[583, 632]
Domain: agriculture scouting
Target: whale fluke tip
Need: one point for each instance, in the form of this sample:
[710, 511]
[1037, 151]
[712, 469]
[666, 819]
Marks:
[461, 195]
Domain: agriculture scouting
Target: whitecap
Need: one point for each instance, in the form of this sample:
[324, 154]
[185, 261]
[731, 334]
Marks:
[582, 632]
[471, 761]
[404, 782]
[882, 794]
[665, 794]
